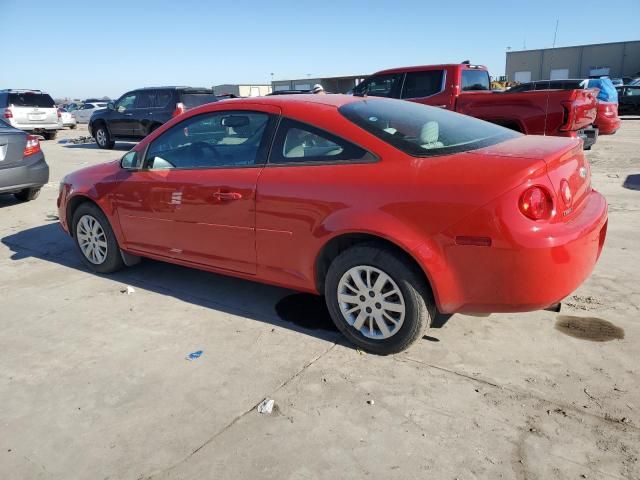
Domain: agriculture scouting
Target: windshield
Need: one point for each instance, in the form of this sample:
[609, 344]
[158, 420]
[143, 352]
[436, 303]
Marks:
[423, 131]
[29, 99]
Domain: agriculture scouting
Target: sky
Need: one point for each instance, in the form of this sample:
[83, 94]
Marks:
[71, 48]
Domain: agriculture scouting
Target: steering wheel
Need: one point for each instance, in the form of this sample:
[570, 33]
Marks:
[203, 148]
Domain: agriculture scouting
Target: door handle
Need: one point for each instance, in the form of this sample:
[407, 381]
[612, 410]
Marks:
[227, 196]
[128, 114]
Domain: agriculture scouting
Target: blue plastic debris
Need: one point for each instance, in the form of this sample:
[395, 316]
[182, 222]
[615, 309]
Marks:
[194, 355]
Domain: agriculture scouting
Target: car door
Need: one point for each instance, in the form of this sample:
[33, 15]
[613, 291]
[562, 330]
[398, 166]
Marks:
[632, 99]
[194, 197]
[141, 113]
[120, 118]
[383, 85]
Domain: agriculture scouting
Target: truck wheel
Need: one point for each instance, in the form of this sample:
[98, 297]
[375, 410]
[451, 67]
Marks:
[378, 299]
[28, 194]
[95, 239]
[103, 139]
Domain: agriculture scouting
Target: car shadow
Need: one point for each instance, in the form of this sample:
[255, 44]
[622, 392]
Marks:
[216, 292]
[632, 182]
[8, 200]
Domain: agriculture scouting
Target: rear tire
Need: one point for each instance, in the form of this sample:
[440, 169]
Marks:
[95, 239]
[102, 137]
[50, 135]
[28, 194]
[73, 127]
[384, 316]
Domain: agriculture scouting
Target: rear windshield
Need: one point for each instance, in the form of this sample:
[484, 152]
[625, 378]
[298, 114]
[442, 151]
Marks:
[423, 131]
[475, 80]
[40, 100]
[191, 100]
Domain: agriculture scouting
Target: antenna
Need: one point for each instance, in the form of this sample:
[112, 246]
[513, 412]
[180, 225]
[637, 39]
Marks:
[555, 34]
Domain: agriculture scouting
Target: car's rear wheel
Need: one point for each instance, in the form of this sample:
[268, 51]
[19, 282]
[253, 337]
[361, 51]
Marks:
[102, 137]
[50, 134]
[28, 194]
[95, 239]
[73, 126]
[378, 298]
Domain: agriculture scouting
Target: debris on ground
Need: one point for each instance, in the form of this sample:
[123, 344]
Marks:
[128, 290]
[266, 406]
[194, 355]
[78, 140]
[371, 402]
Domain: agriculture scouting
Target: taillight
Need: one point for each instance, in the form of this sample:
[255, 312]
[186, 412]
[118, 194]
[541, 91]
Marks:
[59, 113]
[8, 113]
[565, 191]
[32, 146]
[568, 116]
[536, 203]
[179, 110]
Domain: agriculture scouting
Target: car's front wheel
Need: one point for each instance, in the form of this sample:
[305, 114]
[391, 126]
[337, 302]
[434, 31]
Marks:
[95, 239]
[28, 194]
[102, 137]
[378, 298]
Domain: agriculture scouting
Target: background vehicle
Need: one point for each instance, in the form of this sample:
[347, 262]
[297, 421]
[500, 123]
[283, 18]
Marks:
[607, 121]
[388, 208]
[23, 169]
[67, 119]
[139, 112]
[629, 99]
[466, 89]
[30, 110]
[83, 114]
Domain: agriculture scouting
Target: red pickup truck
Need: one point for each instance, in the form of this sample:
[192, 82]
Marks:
[466, 89]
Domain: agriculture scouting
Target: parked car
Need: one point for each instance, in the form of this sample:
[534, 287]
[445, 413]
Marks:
[391, 209]
[607, 121]
[67, 119]
[139, 112]
[30, 110]
[84, 113]
[23, 169]
[629, 99]
[466, 89]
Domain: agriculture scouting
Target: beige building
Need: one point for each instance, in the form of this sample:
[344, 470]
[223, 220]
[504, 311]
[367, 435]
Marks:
[242, 90]
[618, 59]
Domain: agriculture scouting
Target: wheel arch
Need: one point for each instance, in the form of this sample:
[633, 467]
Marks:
[343, 241]
[74, 203]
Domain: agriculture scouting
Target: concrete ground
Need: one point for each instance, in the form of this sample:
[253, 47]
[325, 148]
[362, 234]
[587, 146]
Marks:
[94, 383]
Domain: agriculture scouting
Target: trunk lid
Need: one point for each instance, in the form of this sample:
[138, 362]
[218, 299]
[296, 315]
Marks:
[12, 143]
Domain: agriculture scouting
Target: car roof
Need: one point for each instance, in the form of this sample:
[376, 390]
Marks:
[334, 100]
[173, 87]
[21, 90]
[419, 68]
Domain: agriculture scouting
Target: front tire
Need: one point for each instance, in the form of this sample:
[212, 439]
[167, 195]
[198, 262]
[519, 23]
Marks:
[378, 299]
[28, 194]
[95, 239]
[103, 138]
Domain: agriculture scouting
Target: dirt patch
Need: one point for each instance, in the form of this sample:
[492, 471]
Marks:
[589, 328]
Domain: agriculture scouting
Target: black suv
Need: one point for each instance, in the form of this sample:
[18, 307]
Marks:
[139, 112]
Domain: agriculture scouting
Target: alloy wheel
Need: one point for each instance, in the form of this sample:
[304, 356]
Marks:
[371, 302]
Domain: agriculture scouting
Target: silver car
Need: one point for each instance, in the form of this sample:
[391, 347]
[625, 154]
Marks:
[83, 114]
[23, 169]
[30, 110]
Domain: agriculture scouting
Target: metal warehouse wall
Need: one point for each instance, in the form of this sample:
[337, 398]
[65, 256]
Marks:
[622, 59]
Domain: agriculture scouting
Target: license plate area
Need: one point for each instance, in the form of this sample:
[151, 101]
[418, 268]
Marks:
[37, 117]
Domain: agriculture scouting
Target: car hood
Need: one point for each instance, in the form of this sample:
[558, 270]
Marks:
[94, 173]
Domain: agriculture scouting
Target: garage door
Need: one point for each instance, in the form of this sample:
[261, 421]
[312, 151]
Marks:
[559, 74]
[522, 77]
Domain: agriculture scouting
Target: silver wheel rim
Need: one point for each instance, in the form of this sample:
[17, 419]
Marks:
[371, 302]
[92, 239]
[101, 137]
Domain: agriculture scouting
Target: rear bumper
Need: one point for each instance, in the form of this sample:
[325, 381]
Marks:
[608, 125]
[36, 127]
[34, 172]
[526, 269]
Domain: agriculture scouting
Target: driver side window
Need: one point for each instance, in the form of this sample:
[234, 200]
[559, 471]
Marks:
[211, 140]
[126, 102]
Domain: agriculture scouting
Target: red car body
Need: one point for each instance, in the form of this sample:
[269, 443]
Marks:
[563, 113]
[457, 215]
[607, 120]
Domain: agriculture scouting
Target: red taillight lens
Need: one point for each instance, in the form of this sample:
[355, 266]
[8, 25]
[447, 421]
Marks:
[536, 203]
[179, 109]
[32, 146]
[8, 113]
[59, 113]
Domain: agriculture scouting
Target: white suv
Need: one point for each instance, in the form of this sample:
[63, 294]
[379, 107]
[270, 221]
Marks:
[30, 110]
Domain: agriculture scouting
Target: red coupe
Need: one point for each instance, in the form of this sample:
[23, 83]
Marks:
[392, 210]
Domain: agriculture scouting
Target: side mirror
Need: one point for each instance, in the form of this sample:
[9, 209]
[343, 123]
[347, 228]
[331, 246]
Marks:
[111, 106]
[129, 161]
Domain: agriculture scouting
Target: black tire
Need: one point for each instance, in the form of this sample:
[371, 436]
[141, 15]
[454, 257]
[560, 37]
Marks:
[73, 127]
[50, 134]
[102, 137]
[113, 259]
[28, 194]
[418, 301]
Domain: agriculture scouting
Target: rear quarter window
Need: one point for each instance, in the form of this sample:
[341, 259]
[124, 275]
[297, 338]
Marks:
[475, 80]
[40, 100]
[192, 100]
[423, 131]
